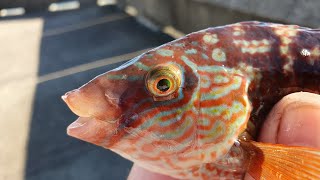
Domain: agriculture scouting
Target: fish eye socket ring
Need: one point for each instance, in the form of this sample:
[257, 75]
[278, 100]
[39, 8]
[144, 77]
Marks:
[163, 81]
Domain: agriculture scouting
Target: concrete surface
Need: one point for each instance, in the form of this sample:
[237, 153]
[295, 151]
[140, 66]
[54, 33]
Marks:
[192, 15]
[18, 66]
[305, 12]
[44, 56]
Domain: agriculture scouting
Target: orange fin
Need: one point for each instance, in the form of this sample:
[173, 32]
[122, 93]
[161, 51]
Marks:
[275, 161]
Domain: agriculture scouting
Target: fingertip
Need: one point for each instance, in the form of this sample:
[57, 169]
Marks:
[300, 126]
[294, 120]
[138, 173]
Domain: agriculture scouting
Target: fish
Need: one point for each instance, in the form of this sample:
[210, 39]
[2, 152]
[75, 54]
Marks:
[193, 108]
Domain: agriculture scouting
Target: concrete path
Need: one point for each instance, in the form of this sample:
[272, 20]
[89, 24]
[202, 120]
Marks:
[44, 56]
[18, 66]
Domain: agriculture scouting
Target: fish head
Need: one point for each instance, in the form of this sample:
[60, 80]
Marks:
[146, 107]
[171, 104]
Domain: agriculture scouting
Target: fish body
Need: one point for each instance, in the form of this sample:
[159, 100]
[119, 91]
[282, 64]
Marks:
[189, 107]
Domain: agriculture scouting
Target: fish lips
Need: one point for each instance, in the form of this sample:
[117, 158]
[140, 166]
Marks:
[88, 127]
[93, 130]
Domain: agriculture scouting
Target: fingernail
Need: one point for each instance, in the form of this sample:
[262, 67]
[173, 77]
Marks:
[300, 126]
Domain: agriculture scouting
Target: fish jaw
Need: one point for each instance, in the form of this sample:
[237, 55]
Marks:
[90, 101]
[92, 130]
[71, 99]
[98, 115]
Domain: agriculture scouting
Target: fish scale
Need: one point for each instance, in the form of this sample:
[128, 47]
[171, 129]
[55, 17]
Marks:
[220, 84]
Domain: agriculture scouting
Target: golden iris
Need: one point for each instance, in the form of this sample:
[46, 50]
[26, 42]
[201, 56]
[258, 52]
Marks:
[163, 81]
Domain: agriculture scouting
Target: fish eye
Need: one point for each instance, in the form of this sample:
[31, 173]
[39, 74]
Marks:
[163, 81]
[163, 85]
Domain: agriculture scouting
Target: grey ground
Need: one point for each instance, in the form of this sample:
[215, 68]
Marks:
[42, 57]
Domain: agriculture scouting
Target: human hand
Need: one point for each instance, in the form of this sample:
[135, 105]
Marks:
[295, 120]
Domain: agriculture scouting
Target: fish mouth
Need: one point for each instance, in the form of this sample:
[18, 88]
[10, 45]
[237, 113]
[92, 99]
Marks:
[78, 127]
[71, 98]
[91, 104]
[80, 112]
[92, 130]
[88, 127]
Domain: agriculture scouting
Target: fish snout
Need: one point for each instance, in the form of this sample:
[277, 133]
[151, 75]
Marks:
[90, 101]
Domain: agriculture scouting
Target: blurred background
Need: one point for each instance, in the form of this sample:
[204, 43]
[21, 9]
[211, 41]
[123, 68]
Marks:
[48, 47]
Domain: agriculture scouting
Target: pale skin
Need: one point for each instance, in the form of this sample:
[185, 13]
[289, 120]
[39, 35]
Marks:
[294, 120]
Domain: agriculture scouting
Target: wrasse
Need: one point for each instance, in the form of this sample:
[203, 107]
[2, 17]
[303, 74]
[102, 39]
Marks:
[192, 108]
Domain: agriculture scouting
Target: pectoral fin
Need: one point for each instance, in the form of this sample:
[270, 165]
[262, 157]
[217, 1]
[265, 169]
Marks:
[275, 161]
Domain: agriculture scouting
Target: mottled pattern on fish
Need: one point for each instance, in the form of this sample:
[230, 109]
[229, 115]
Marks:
[231, 77]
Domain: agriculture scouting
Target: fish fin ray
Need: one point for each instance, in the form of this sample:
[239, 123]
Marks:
[276, 161]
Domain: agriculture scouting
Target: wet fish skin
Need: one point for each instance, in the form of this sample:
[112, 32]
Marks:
[219, 84]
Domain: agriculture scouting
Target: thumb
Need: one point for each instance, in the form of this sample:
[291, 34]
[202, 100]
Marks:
[294, 120]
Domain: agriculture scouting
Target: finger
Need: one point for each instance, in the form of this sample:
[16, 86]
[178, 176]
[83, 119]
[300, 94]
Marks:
[138, 173]
[295, 120]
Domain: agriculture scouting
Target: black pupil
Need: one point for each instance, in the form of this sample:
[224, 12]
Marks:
[163, 85]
